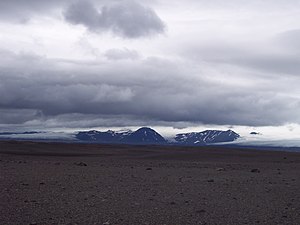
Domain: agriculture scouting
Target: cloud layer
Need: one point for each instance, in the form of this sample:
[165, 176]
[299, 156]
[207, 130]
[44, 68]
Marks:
[219, 62]
[148, 89]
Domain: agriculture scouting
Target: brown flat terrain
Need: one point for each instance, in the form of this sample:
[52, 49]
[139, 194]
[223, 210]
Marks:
[52, 183]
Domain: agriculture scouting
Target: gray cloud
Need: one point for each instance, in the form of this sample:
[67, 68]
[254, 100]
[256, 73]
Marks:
[279, 55]
[236, 64]
[289, 39]
[138, 92]
[18, 116]
[125, 18]
[24, 10]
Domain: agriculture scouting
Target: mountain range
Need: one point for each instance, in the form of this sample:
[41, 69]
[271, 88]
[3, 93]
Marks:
[143, 135]
[148, 136]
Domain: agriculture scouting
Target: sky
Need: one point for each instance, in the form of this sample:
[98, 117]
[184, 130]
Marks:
[172, 65]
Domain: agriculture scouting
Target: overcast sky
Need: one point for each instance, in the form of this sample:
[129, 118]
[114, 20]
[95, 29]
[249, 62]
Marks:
[164, 63]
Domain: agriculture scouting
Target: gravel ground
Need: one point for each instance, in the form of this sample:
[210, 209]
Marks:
[52, 183]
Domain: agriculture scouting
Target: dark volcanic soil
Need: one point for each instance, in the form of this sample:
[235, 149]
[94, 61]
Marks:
[42, 183]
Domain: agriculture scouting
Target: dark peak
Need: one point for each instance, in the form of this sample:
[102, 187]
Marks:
[145, 135]
[232, 132]
[254, 133]
[147, 132]
[147, 129]
[110, 131]
[92, 131]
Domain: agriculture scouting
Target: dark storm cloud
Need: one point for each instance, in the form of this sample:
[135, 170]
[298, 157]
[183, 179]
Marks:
[128, 19]
[18, 116]
[125, 18]
[152, 90]
[232, 62]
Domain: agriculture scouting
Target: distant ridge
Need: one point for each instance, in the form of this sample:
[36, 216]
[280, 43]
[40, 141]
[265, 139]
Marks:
[27, 132]
[147, 136]
[206, 137]
[103, 137]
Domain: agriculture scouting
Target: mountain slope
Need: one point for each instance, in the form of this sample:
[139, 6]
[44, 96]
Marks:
[102, 137]
[147, 136]
[206, 137]
[143, 135]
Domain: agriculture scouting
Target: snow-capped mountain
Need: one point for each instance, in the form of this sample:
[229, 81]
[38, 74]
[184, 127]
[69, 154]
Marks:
[103, 137]
[143, 135]
[146, 135]
[206, 137]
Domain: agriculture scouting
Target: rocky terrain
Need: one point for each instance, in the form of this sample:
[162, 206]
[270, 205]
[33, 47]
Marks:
[53, 183]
